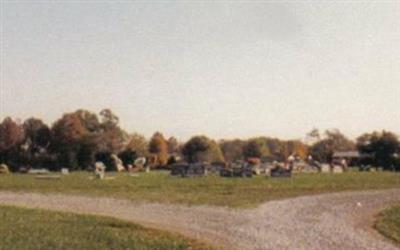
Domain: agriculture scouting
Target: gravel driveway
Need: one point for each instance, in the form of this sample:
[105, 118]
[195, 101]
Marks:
[328, 221]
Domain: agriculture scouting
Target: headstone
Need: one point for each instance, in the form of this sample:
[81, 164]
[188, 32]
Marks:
[99, 170]
[281, 172]
[325, 168]
[4, 169]
[267, 172]
[23, 170]
[188, 170]
[337, 169]
[130, 168]
[226, 172]
[196, 170]
[179, 169]
[38, 171]
[256, 169]
[117, 163]
[242, 170]
[65, 171]
[140, 162]
[48, 177]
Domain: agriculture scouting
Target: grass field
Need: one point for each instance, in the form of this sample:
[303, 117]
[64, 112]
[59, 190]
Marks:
[22, 228]
[233, 192]
[389, 223]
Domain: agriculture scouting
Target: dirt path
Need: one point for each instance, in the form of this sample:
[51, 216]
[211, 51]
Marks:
[328, 221]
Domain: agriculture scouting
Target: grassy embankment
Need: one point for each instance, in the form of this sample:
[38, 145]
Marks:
[22, 228]
[213, 190]
[388, 223]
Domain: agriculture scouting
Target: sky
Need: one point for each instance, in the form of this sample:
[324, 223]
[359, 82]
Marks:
[225, 69]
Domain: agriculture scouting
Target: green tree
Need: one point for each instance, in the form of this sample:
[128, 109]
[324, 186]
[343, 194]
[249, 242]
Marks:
[252, 149]
[202, 149]
[382, 145]
[232, 149]
[37, 139]
[37, 134]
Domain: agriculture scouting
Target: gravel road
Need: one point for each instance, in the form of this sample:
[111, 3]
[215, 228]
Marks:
[327, 221]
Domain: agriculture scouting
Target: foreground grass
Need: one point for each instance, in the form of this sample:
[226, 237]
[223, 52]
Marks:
[22, 228]
[234, 192]
[389, 223]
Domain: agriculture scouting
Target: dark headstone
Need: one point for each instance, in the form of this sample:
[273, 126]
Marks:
[281, 172]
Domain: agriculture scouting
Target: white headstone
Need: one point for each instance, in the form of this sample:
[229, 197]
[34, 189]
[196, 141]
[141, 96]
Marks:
[337, 169]
[4, 169]
[325, 168]
[100, 169]
[117, 163]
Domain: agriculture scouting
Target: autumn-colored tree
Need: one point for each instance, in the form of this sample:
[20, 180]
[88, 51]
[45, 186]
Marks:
[138, 144]
[296, 147]
[69, 129]
[11, 136]
[136, 147]
[68, 134]
[89, 120]
[80, 138]
[202, 149]
[158, 147]
[111, 138]
[108, 119]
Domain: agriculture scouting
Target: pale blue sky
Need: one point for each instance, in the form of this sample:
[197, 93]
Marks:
[225, 69]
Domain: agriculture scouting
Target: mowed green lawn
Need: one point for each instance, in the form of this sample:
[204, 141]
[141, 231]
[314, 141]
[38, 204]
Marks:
[389, 223]
[22, 228]
[214, 190]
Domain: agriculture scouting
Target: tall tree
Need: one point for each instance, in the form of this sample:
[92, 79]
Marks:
[11, 137]
[37, 134]
[112, 138]
[11, 134]
[34, 151]
[159, 148]
[68, 134]
[138, 144]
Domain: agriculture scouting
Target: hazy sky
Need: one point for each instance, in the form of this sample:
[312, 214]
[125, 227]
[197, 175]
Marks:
[225, 69]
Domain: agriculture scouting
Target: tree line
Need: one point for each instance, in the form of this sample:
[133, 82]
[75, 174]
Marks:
[78, 139]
